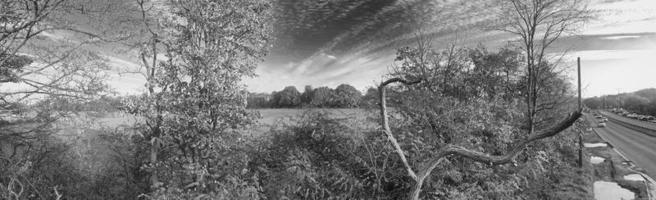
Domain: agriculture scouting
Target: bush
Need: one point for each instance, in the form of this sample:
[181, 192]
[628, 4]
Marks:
[318, 157]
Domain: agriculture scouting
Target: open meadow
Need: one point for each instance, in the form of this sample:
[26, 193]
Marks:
[270, 118]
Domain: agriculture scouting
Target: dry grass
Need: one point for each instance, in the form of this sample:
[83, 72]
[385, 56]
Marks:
[274, 117]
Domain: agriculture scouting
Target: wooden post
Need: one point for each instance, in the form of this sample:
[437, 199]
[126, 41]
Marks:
[578, 63]
[580, 147]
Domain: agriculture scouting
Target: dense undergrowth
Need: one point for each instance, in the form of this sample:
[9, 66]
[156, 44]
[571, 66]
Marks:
[316, 157]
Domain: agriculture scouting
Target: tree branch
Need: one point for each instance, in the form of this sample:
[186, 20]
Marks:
[385, 121]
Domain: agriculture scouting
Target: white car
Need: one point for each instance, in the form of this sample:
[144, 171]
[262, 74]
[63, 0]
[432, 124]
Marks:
[602, 124]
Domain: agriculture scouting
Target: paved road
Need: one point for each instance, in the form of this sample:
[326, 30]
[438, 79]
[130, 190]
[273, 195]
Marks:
[635, 145]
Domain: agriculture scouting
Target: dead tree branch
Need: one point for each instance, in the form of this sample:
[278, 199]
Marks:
[454, 150]
[386, 128]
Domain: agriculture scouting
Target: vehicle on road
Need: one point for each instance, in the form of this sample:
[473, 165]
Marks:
[602, 124]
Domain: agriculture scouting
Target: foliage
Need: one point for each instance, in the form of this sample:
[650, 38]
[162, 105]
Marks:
[82, 161]
[471, 98]
[641, 101]
[122, 151]
[306, 97]
[539, 24]
[196, 104]
[287, 98]
[33, 172]
[258, 100]
[343, 96]
[323, 97]
[635, 102]
[46, 80]
[319, 157]
[346, 96]
[370, 98]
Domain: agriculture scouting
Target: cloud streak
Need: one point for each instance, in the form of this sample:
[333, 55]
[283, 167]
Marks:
[324, 43]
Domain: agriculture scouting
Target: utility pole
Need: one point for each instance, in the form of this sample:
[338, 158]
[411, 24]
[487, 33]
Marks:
[578, 64]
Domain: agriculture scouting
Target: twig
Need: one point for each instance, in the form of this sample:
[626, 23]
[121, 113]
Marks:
[58, 196]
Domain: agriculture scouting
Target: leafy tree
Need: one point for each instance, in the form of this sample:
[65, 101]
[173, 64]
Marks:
[635, 103]
[258, 100]
[593, 103]
[495, 74]
[306, 97]
[346, 96]
[195, 103]
[370, 98]
[323, 97]
[287, 98]
[642, 101]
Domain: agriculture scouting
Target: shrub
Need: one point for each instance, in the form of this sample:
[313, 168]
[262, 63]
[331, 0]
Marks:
[318, 157]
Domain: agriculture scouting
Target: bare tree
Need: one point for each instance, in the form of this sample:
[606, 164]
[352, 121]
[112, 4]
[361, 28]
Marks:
[36, 68]
[44, 55]
[538, 24]
[44, 47]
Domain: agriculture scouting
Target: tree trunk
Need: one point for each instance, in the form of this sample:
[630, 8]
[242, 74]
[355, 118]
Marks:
[153, 160]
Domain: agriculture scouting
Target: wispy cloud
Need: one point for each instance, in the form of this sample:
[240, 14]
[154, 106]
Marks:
[326, 43]
[358, 49]
[346, 33]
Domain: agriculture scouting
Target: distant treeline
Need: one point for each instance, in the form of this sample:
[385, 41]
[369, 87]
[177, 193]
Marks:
[641, 102]
[343, 96]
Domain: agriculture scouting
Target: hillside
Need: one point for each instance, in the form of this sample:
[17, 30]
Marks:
[641, 101]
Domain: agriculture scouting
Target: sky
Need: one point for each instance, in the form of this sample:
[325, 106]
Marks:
[330, 42]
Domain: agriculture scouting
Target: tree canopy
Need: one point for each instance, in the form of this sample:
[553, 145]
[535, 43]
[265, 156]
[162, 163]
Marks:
[343, 96]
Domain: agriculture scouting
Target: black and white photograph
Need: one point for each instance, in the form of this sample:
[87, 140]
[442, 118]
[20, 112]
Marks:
[327, 99]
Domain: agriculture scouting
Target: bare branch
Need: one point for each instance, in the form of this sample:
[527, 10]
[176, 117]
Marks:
[57, 194]
[385, 122]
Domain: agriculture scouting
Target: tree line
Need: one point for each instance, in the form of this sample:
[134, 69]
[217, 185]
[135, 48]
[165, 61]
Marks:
[641, 101]
[343, 96]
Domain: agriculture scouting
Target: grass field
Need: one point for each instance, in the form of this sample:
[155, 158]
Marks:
[274, 117]
[271, 116]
